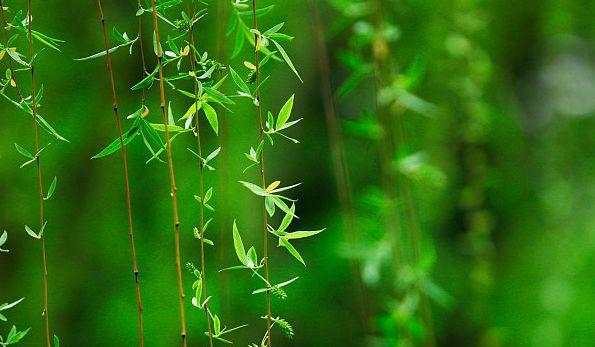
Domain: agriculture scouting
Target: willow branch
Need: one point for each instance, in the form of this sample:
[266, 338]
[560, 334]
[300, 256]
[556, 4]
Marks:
[201, 184]
[40, 189]
[172, 177]
[262, 169]
[141, 48]
[393, 136]
[224, 192]
[125, 172]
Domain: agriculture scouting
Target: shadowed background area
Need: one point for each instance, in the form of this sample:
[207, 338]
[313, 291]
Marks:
[500, 161]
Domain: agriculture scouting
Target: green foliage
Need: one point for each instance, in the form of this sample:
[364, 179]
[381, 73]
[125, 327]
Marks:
[269, 194]
[28, 98]
[451, 165]
[10, 88]
[3, 239]
[192, 71]
[14, 336]
[7, 306]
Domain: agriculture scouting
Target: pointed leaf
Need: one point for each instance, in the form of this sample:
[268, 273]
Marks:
[211, 117]
[287, 220]
[25, 153]
[254, 188]
[51, 189]
[239, 245]
[291, 250]
[31, 232]
[302, 234]
[285, 113]
[287, 59]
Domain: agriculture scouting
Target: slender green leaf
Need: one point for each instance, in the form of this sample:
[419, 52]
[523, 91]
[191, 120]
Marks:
[211, 117]
[31, 232]
[283, 242]
[286, 220]
[239, 82]
[254, 188]
[287, 59]
[25, 153]
[104, 52]
[302, 234]
[239, 245]
[127, 137]
[51, 189]
[285, 113]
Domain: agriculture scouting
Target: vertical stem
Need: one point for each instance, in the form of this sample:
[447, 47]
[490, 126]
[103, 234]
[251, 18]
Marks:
[394, 128]
[172, 179]
[201, 184]
[40, 189]
[262, 172]
[142, 53]
[336, 144]
[415, 235]
[383, 72]
[124, 159]
[224, 178]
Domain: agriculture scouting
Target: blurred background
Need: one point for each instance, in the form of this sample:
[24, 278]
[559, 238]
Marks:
[471, 224]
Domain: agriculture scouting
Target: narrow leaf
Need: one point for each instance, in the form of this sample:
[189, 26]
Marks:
[302, 234]
[211, 117]
[283, 242]
[287, 59]
[51, 189]
[239, 245]
[285, 113]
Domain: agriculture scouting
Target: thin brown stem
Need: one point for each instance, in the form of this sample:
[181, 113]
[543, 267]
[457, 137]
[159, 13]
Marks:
[340, 167]
[42, 204]
[201, 184]
[125, 172]
[141, 47]
[172, 178]
[262, 171]
[40, 189]
[224, 178]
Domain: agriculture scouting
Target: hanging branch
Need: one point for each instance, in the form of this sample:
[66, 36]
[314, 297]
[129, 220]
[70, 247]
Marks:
[261, 139]
[40, 189]
[125, 172]
[393, 137]
[172, 176]
[14, 335]
[29, 105]
[141, 49]
[224, 191]
[273, 194]
[415, 236]
[201, 183]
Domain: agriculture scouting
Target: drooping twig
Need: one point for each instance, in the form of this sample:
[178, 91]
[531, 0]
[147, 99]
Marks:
[125, 172]
[393, 136]
[201, 183]
[262, 169]
[172, 177]
[142, 54]
[40, 189]
[222, 12]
